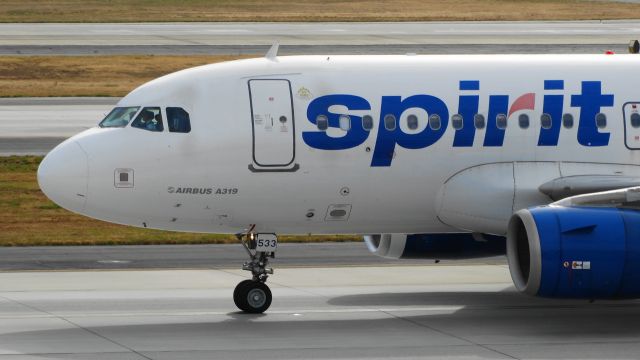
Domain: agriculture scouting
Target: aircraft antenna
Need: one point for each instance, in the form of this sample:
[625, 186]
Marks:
[272, 54]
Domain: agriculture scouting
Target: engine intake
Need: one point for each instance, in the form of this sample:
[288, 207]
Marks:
[575, 252]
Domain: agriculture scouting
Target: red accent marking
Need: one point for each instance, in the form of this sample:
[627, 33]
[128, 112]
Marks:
[524, 102]
[609, 52]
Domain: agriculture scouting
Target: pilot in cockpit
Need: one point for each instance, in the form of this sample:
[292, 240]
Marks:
[148, 120]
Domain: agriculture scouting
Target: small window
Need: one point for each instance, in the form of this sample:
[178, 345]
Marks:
[523, 121]
[412, 122]
[434, 122]
[567, 121]
[149, 119]
[367, 122]
[390, 122]
[119, 117]
[546, 121]
[635, 120]
[345, 122]
[322, 122]
[178, 120]
[601, 120]
[501, 121]
[478, 121]
[456, 121]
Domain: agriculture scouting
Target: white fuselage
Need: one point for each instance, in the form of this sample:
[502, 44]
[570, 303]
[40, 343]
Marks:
[242, 166]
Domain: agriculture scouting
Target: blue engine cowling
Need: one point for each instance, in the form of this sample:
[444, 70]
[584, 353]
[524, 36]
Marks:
[435, 246]
[575, 252]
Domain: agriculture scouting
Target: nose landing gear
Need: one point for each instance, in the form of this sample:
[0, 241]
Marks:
[254, 296]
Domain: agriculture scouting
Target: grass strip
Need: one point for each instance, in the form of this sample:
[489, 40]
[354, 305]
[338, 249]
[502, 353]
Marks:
[47, 76]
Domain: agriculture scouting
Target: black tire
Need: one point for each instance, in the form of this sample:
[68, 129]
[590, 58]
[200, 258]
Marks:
[254, 297]
[239, 291]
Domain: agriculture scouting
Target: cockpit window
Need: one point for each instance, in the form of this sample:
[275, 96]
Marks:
[149, 118]
[178, 120]
[119, 117]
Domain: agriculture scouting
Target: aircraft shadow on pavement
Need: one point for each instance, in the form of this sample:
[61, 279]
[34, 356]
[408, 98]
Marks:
[509, 312]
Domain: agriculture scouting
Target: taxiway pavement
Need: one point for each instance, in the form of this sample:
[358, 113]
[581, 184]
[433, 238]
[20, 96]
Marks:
[352, 49]
[408, 312]
[506, 32]
[211, 256]
[33, 126]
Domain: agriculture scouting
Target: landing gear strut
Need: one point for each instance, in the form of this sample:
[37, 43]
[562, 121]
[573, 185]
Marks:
[254, 296]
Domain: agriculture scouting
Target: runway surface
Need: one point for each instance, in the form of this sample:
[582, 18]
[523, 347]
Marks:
[37, 125]
[61, 118]
[412, 312]
[198, 257]
[534, 32]
[260, 50]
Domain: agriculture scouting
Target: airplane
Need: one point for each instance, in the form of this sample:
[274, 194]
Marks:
[425, 156]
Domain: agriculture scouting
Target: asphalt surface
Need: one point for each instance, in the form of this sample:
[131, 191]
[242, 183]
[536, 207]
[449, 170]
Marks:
[198, 257]
[260, 50]
[534, 32]
[28, 145]
[421, 312]
[33, 126]
[56, 120]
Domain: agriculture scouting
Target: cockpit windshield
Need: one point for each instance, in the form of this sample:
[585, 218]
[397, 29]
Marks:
[119, 117]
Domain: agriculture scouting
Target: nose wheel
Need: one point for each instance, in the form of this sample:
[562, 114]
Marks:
[254, 296]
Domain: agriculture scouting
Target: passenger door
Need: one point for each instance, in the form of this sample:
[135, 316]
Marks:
[273, 125]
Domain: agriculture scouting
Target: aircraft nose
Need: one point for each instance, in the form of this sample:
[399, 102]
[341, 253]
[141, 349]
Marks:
[63, 176]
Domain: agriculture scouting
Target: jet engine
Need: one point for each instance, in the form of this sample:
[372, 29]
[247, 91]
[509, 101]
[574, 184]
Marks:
[586, 252]
[435, 246]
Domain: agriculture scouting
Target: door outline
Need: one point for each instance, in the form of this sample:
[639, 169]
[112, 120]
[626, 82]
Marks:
[253, 130]
[624, 120]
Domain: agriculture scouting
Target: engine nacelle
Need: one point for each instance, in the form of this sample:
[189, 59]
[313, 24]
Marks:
[575, 252]
[435, 246]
